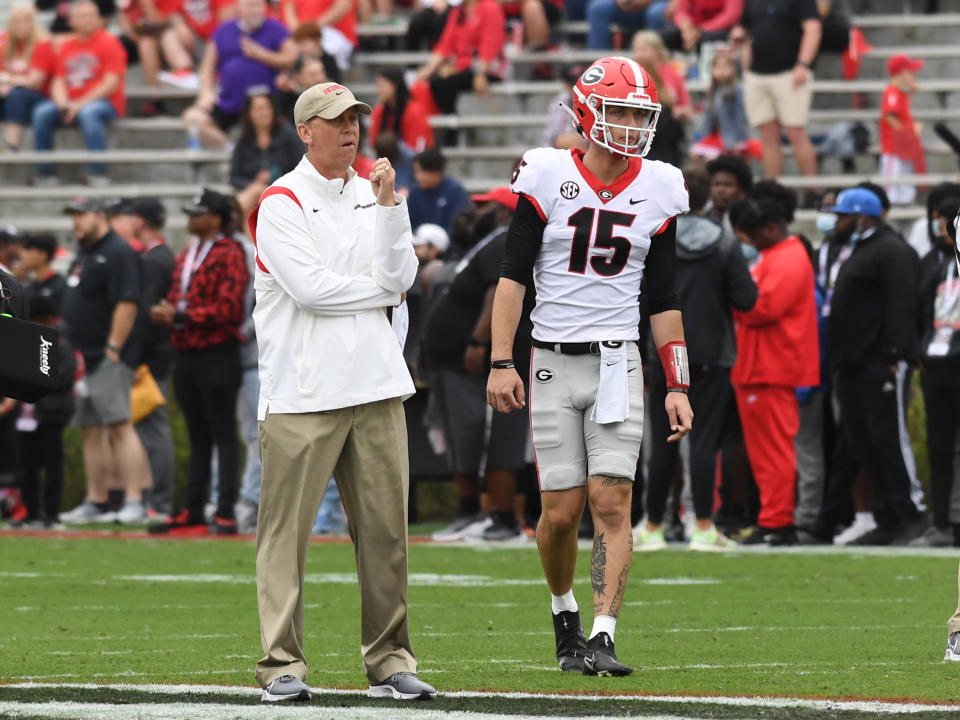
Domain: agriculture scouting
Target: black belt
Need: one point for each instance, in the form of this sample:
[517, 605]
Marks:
[584, 348]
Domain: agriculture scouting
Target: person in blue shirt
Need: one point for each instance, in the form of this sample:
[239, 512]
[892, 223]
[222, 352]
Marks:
[435, 197]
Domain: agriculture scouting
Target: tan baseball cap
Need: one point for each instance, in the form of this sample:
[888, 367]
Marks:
[326, 100]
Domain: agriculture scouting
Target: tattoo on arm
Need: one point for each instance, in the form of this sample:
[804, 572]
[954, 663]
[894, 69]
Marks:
[598, 568]
[615, 481]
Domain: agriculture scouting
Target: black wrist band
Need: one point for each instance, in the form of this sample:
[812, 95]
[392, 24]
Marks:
[502, 365]
[111, 346]
[681, 390]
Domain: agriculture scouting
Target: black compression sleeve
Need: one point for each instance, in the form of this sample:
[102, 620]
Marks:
[661, 271]
[523, 242]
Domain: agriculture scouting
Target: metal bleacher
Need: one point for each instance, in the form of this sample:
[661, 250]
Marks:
[149, 155]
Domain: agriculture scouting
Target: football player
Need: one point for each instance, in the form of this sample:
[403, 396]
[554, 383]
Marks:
[588, 227]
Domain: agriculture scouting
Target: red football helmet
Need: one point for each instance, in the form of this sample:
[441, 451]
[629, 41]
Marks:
[615, 85]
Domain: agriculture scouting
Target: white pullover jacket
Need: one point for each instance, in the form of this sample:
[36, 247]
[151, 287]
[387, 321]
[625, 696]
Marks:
[329, 260]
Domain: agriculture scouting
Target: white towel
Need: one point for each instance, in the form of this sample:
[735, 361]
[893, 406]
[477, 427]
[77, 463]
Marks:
[401, 323]
[613, 396]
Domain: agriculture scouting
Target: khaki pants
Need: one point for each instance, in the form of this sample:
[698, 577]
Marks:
[365, 448]
[953, 624]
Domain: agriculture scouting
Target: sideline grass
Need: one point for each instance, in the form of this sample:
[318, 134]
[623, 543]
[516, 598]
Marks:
[143, 611]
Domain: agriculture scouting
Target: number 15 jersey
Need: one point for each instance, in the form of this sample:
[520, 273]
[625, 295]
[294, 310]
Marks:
[591, 261]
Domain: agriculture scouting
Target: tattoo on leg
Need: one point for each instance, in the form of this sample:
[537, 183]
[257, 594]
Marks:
[598, 567]
[618, 595]
[606, 481]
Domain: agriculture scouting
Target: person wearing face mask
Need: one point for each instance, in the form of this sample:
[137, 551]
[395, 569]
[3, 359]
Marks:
[872, 336]
[924, 230]
[939, 315]
[777, 352]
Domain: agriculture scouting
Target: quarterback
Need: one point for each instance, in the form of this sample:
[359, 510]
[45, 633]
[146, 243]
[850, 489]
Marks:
[589, 226]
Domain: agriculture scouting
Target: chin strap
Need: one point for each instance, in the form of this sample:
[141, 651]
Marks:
[573, 116]
[673, 357]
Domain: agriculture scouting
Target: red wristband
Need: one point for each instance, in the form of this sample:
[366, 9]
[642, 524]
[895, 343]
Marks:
[673, 357]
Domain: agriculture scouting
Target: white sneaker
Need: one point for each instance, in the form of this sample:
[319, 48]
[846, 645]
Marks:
[953, 647]
[132, 513]
[86, 513]
[711, 540]
[186, 79]
[474, 531]
[648, 540]
[862, 524]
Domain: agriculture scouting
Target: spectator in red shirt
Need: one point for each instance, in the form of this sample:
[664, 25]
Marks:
[777, 352]
[142, 23]
[398, 113]
[26, 66]
[205, 309]
[87, 89]
[900, 146]
[337, 20]
[698, 21]
[469, 54]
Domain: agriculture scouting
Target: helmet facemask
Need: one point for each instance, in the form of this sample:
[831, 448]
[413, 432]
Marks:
[636, 139]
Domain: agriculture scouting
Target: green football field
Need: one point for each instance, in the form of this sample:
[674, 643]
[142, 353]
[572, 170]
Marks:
[141, 614]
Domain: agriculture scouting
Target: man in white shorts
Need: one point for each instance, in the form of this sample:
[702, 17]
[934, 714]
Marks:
[589, 226]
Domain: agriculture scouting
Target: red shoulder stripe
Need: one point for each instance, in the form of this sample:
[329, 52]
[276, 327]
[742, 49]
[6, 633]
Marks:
[252, 222]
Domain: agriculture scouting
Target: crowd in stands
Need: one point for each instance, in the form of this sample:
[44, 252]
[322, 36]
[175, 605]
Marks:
[801, 357]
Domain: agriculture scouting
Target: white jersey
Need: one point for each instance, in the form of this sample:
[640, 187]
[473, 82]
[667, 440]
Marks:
[588, 272]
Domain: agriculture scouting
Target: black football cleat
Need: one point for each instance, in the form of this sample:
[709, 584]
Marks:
[602, 660]
[571, 642]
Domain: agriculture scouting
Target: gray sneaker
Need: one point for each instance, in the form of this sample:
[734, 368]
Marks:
[286, 687]
[934, 537]
[953, 647]
[86, 513]
[402, 686]
[456, 529]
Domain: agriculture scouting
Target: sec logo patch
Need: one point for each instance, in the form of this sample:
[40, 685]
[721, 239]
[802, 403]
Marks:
[569, 190]
[544, 375]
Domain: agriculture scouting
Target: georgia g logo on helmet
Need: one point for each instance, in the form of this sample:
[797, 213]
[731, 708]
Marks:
[618, 87]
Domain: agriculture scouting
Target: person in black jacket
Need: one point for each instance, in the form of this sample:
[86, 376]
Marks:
[712, 275]
[40, 430]
[13, 303]
[873, 339]
[939, 306]
[268, 147]
[156, 263]
[38, 253]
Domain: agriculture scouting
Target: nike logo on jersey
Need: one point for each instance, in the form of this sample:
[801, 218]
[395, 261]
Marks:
[637, 202]
[316, 209]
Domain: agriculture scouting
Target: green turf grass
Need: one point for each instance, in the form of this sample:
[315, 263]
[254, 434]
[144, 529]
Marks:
[825, 625]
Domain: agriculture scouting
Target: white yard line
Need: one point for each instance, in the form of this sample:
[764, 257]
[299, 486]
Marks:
[263, 711]
[874, 706]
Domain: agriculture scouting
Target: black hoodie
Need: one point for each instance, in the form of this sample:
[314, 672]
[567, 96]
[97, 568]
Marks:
[712, 276]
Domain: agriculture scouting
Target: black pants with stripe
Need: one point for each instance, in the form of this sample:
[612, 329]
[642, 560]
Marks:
[873, 418]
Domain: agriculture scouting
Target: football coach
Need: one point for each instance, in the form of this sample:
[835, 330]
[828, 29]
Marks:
[334, 252]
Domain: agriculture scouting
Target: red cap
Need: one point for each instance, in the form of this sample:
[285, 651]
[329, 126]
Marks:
[502, 195]
[898, 63]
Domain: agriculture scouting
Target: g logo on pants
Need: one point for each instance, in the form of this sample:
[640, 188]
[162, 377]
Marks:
[544, 375]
